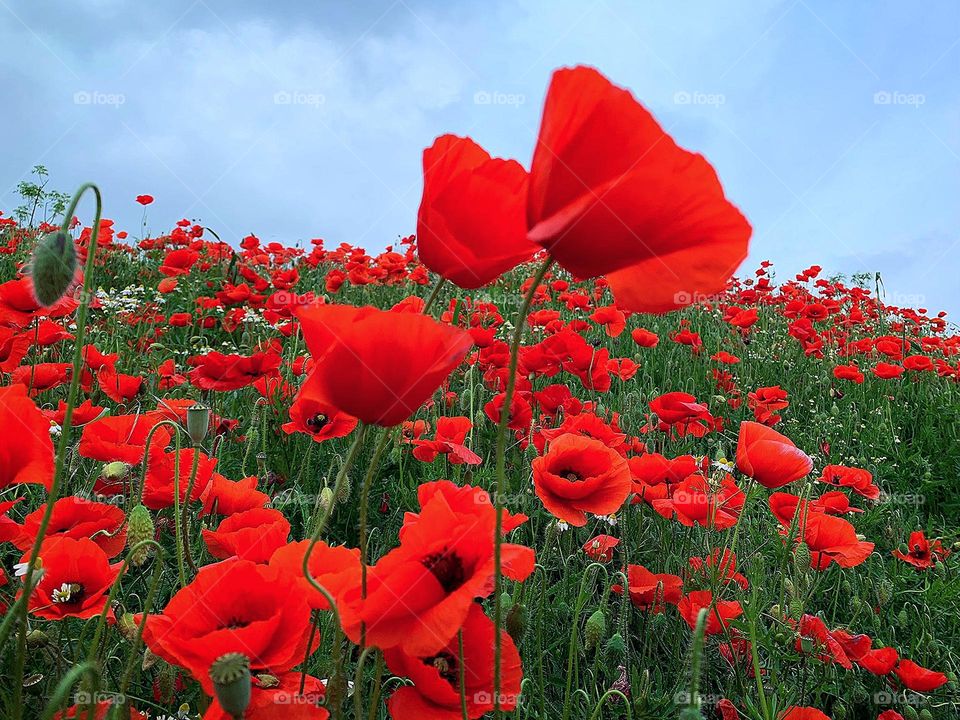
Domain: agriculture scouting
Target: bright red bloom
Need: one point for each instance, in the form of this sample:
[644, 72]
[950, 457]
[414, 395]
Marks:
[719, 613]
[682, 415]
[848, 372]
[163, 480]
[651, 591]
[695, 501]
[600, 548]
[613, 320]
[232, 606]
[719, 565]
[216, 371]
[420, 593]
[471, 226]
[765, 402]
[378, 366]
[77, 518]
[769, 457]
[857, 479]
[887, 371]
[144, 199]
[336, 568]
[76, 580]
[795, 712]
[279, 699]
[100, 712]
[26, 453]
[918, 678]
[653, 474]
[921, 553]
[450, 436]
[122, 437]
[251, 535]
[311, 414]
[611, 192]
[644, 338]
[435, 693]
[117, 386]
[579, 475]
[832, 539]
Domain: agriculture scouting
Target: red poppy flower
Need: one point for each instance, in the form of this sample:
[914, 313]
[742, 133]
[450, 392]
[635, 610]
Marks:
[613, 320]
[795, 712]
[77, 518]
[435, 693]
[82, 414]
[226, 497]
[887, 371]
[117, 386]
[232, 606]
[695, 502]
[600, 548]
[889, 715]
[644, 338]
[216, 371]
[250, 535]
[769, 457]
[310, 414]
[832, 539]
[653, 474]
[921, 553]
[420, 593]
[857, 479]
[719, 565]
[122, 438]
[144, 199]
[765, 402]
[41, 376]
[848, 372]
[336, 568]
[26, 454]
[681, 414]
[76, 580]
[450, 436]
[580, 475]
[14, 346]
[162, 480]
[471, 226]
[611, 192]
[918, 678]
[378, 366]
[651, 591]
[101, 712]
[719, 613]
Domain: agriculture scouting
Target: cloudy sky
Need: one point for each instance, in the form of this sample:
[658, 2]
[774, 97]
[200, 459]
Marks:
[834, 126]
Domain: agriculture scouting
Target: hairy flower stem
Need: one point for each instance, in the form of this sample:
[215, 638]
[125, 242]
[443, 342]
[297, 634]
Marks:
[55, 487]
[434, 295]
[374, 463]
[500, 483]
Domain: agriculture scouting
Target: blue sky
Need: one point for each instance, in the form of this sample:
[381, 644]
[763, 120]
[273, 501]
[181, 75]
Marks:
[835, 126]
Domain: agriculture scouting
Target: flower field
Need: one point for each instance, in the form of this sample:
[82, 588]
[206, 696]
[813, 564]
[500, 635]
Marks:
[543, 459]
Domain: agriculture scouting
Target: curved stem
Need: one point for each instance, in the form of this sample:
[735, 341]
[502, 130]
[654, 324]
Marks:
[63, 687]
[434, 295]
[64, 442]
[501, 476]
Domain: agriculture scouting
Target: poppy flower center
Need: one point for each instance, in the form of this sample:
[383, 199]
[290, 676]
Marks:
[68, 593]
[317, 422]
[446, 665]
[571, 476]
[233, 624]
[447, 568]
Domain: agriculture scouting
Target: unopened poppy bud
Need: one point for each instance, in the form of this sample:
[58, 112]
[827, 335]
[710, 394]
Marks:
[166, 682]
[198, 422]
[231, 683]
[345, 489]
[910, 713]
[775, 611]
[925, 714]
[659, 622]
[595, 629]
[885, 591]
[53, 267]
[903, 619]
[516, 622]
[801, 556]
[149, 659]
[127, 626]
[690, 713]
[796, 608]
[326, 499]
[789, 587]
[616, 646]
[37, 638]
[115, 471]
[139, 528]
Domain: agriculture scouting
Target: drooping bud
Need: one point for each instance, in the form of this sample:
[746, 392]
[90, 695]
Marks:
[198, 422]
[127, 626]
[326, 499]
[231, 683]
[53, 267]
[516, 621]
[139, 528]
[595, 629]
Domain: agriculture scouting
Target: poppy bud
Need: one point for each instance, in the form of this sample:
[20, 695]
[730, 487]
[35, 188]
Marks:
[326, 499]
[839, 712]
[516, 622]
[139, 528]
[796, 608]
[53, 267]
[37, 638]
[659, 622]
[149, 659]
[166, 682]
[595, 629]
[910, 713]
[115, 471]
[616, 646]
[801, 556]
[903, 620]
[925, 714]
[127, 626]
[198, 421]
[231, 683]
[345, 488]
[789, 586]
[885, 591]
[690, 713]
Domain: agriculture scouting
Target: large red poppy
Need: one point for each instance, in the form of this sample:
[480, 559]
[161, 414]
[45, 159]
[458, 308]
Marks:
[76, 579]
[77, 518]
[252, 535]
[279, 698]
[769, 457]
[419, 594]
[612, 194]
[580, 475]
[26, 453]
[435, 693]
[378, 366]
[336, 568]
[471, 226]
[232, 606]
[651, 591]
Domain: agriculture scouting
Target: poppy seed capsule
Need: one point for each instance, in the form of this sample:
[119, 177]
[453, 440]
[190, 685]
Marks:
[231, 683]
[198, 421]
[53, 267]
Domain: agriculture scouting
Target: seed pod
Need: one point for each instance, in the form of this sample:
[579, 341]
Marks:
[231, 683]
[139, 528]
[53, 267]
[516, 621]
[198, 422]
[595, 629]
